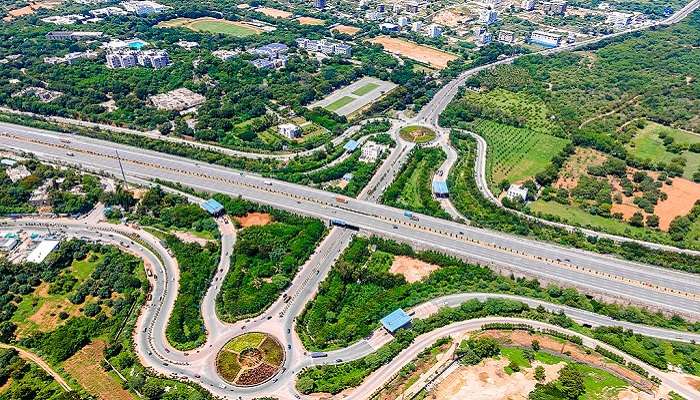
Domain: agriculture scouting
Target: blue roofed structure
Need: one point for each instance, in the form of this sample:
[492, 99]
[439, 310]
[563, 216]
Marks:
[213, 207]
[440, 189]
[396, 320]
[351, 145]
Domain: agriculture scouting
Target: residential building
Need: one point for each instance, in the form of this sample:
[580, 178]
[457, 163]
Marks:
[40, 195]
[325, 46]
[225, 55]
[528, 5]
[272, 50]
[402, 21]
[484, 38]
[434, 31]
[290, 131]
[554, 7]
[130, 58]
[320, 3]
[546, 39]
[18, 173]
[373, 16]
[506, 36]
[177, 100]
[44, 95]
[417, 26]
[142, 8]
[517, 192]
[186, 44]
[412, 7]
[381, 8]
[267, 63]
[69, 19]
[488, 17]
[71, 35]
[492, 3]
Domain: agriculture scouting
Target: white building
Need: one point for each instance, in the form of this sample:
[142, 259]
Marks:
[371, 151]
[619, 19]
[412, 7]
[484, 38]
[488, 17]
[224, 55]
[290, 131]
[434, 31]
[506, 36]
[546, 39]
[417, 26]
[71, 35]
[516, 192]
[108, 11]
[17, 174]
[402, 21]
[528, 5]
[325, 46]
[187, 45]
[388, 27]
[42, 251]
[130, 58]
[70, 58]
[144, 7]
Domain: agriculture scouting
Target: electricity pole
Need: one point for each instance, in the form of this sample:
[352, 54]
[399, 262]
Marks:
[121, 167]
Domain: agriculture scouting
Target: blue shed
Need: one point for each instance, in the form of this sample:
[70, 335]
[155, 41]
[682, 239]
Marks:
[351, 145]
[213, 207]
[396, 320]
[440, 189]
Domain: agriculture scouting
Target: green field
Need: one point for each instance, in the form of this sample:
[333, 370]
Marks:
[246, 341]
[516, 154]
[365, 89]
[412, 188]
[81, 269]
[647, 145]
[340, 103]
[417, 134]
[210, 25]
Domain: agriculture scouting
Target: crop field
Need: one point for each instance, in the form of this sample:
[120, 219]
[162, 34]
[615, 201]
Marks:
[355, 96]
[424, 54]
[516, 154]
[86, 368]
[647, 145]
[212, 25]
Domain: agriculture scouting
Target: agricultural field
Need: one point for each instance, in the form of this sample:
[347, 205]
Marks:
[412, 189]
[347, 29]
[274, 12]
[647, 144]
[423, 54]
[250, 359]
[212, 25]
[356, 96]
[516, 154]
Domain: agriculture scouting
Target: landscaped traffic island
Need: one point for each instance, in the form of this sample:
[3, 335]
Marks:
[250, 359]
[417, 134]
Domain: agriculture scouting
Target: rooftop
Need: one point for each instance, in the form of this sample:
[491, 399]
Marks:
[397, 319]
[440, 187]
[212, 206]
[351, 145]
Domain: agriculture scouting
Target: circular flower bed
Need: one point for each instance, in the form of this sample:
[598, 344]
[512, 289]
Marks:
[250, 359]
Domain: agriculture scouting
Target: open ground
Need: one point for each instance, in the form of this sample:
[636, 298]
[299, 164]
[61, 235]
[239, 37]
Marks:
[86, 368]
[274, 12]
[212, 25]
[355, 96]
[428, 55]
[347, 29]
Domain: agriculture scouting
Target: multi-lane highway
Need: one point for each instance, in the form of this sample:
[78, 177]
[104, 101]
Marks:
[651, 286]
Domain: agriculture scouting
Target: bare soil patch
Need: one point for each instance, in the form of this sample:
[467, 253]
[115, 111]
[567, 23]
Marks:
[254, 219]
[85, 367]
[577, 166]
[450, 18]
[310, 21]
[424, 54]
[30, 9]
[347, 29]
[682, 195]
[188, 237]
[412, 269]
[274, 12]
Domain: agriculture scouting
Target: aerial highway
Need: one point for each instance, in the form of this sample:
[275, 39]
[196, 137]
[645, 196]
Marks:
[631, 282]
[199, 366]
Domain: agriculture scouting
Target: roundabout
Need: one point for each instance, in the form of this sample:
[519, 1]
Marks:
[250, 359]
[417, 134]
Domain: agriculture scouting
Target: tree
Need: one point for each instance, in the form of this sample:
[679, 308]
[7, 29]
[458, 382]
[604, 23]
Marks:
[571, 382]
[653, 221]
[539, 373]
[7, 331]
[529, 355]
[535, 345]
[637, 219]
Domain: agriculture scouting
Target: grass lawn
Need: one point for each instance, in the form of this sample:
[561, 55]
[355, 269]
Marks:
[417, 134]
[247, 341]
[576, 216]
[340, 103]
[81, 269]
[516, 356]
[600, 384]
[516, 154]
[647, 145]
[365, 89]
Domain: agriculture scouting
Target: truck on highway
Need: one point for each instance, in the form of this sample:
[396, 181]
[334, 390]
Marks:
[318, 354]
[410, 215]
[268, 183]
[341, 200]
